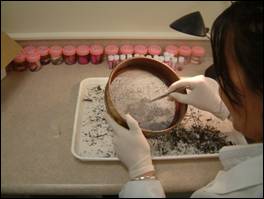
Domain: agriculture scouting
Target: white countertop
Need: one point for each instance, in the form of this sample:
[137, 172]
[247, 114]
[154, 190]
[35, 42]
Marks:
[36, 131]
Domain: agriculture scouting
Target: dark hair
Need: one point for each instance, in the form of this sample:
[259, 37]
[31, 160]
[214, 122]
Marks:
[240, 26]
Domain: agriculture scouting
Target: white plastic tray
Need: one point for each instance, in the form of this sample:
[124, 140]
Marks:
[78, 147]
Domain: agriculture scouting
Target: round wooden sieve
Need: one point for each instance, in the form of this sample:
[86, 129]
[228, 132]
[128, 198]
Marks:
[158, 69]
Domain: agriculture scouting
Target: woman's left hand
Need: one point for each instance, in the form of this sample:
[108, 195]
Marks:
[131, 146]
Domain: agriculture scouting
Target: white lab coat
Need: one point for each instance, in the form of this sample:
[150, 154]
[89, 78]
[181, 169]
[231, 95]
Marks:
[242, 176]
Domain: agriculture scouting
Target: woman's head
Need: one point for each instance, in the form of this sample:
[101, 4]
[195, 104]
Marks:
[237, 46]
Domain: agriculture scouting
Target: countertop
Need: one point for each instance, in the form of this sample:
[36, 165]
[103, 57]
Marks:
[37, 111]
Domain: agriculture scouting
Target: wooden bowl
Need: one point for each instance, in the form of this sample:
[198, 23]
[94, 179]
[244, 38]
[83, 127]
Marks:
[158, 69]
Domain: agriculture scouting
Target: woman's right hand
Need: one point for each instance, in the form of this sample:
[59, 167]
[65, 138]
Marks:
[203, 94]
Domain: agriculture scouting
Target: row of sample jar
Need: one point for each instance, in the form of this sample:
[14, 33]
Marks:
[175, 57]
[34, 58]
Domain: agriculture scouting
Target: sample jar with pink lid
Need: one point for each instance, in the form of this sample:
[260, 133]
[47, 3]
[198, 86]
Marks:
[96, 54]
[185, 53]
[141, 50]
[127, 50]
[56, 55]
[19, 62]
[33, 60]
[82, 52]
[172, 50]
[154, 50]
[29, 49]
[198, 53]
[44, 55]
[110, 61]
[69, 54]
[111, 50]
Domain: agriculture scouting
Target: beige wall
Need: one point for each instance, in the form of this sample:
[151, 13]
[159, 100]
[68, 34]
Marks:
[85, 20]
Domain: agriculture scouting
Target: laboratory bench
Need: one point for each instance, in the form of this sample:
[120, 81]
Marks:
[38, 110]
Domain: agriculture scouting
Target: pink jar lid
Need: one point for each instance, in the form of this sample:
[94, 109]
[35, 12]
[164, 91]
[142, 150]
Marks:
[172, 49]
[29, 49]
[43, 50]
[185, 50]
[69, 50]
[127, 49]
[96, 50]
[141, 49]
[83, 50]
[154, 50]
[55, 51]
[20, 58]
[198, 51]
[111, 49]
[33, 57]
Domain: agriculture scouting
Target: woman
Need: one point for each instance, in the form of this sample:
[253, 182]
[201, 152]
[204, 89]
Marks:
[237, 45]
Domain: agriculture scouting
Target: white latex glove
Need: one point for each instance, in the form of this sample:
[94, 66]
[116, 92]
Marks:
[131, 146]
[203, 94]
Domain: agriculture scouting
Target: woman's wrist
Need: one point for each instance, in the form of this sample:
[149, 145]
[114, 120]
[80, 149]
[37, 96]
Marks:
[146, 176]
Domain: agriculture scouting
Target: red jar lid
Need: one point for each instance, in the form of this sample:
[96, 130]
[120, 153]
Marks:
[29, 49]
[172, 49]
[198, 51]
[69, 50]
[33, 57]
[55, 51]
[83, 50]
[141, 49]
[43, 50]
[154, 50]
[185, 51]
[20, 58]
[127, 49]
[96, 50]
[111, 49]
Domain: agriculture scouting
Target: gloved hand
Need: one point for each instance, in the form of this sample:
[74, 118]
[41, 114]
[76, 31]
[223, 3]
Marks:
[203, 94]
[131, 146]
